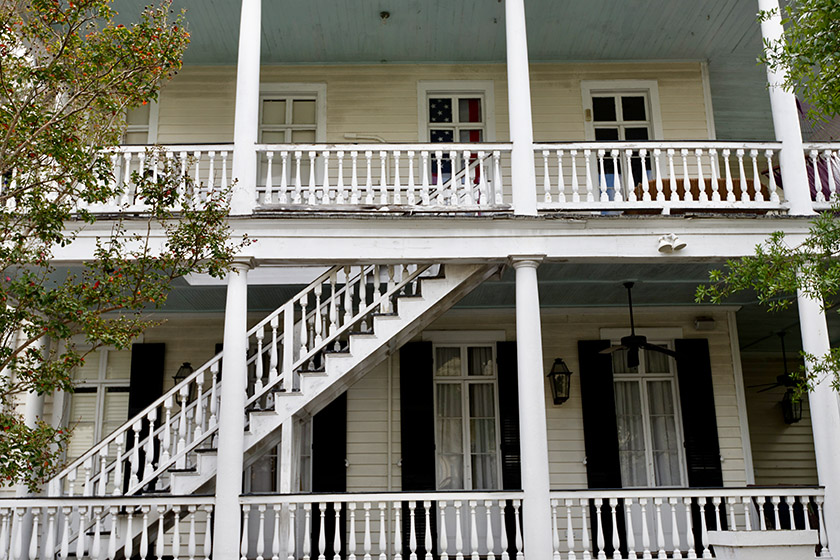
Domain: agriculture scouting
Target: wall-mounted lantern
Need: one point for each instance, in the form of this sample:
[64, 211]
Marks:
[560, 380]
[791, 407]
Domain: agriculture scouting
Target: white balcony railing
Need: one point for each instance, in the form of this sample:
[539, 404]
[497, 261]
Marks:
[658, 176]
[823, 171]
[674, 522]
[105, 528]
[434, 177]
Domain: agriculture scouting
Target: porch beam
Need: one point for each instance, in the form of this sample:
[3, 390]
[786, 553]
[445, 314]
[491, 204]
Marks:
[246, 116]
[825, 413]
[533, 433]
[232, 416]
[786, 121]
[519, 110]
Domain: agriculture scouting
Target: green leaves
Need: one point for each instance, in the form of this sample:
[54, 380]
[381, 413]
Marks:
[68, 73]
[809, 55]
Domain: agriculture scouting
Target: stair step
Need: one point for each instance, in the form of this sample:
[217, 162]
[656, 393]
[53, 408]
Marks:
[188, 470]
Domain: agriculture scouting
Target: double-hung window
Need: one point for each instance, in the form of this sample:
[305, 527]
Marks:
[466, 406]
[648, 421]
[99, 403]
[141, 125]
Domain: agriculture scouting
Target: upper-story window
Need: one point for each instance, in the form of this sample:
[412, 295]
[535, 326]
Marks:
[466, 405]
[648, 421]
[141, 125]
[456, 118]
[621, 116]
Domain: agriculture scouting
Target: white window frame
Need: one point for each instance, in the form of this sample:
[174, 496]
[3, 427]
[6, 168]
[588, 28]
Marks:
[663, 337]
[461, 88]
[618, 87]
[316, 91]
[465, 381]
[100, 386]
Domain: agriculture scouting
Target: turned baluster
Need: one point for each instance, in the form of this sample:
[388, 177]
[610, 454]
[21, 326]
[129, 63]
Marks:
[517, 504]
[369, 179]
[424, 178]
[483, 197]
[144, 534]
[397, 182]
[645, 529]
[383, 177]
[112, 541]
[282, 197]
[584, 534]
[183, 394]
[630, 182]
[657, 166]
[629, 531]
[291, 547]
[275, 533]
[397, 532]
[243, 546]
[561, 179]
[322, 532]
[459, 537]
[498, 179]
[268, 195]
[675, 530]
[81, 532]
[704, 532]
[354, 177]
[439, 178]
[119, 443]
[614, 517]
[312, 188]
[412, 533]
[759, 196]
[337, 532]
[660, 531]
[555, 532]
[443, 539]
[575, 183]
[339, 185]
[261, 532]
[135, 455]
[151, 418]
[488, 527]
[644, 178]
[383, 538]
[771, 177]
[602, 179]
[64, 547]
[102, 487]
[599, 530]
[327, 195]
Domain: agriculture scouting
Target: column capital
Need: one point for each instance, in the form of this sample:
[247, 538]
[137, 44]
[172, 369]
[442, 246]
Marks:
[243, 263]
[526, 261]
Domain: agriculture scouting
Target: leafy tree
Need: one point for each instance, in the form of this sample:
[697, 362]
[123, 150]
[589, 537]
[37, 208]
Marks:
[68, 74]
[809, 54]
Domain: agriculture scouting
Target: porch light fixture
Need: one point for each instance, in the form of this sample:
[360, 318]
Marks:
[560, 380]
[183, 372]
[791, 407]
[669, 243]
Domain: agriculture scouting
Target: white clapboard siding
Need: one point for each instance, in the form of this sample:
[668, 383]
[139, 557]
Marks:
[197, 106]
[782, 454]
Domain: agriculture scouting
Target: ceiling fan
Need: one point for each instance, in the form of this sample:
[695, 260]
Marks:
[783, 380]
[633, 342]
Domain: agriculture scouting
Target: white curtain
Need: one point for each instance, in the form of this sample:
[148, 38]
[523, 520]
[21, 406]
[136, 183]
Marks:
[631, 435]
[450, 440]
[483, 437]
[663, 432]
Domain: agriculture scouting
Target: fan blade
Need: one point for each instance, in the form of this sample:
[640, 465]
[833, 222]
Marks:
[660, 349]
[633, 357]
[771, 387]
[612, 349]
[762, 385]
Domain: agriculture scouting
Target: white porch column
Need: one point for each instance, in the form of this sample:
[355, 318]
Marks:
[246, 119]
[232, 416]
[786, 122]
[825, 415]
[533, 437]
[523, 177]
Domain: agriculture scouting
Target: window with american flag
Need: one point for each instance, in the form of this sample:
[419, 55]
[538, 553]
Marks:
[455, 118]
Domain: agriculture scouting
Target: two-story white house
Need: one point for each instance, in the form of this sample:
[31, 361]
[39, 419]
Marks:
[448, 199]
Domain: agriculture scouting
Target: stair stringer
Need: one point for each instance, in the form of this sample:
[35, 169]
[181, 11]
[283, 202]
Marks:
[342, 370]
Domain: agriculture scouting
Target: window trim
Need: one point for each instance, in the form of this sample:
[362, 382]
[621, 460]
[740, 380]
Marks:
[613, 87]
[465, 381]
[482, 88]
[151, 127]
[291, 89]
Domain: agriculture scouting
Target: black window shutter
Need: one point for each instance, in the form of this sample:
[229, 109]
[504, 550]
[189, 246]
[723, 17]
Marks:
[506, 368]
[417, 431]
[697, 400]
[329, 470]
[509, 415]
[600, 435]
[146, 383]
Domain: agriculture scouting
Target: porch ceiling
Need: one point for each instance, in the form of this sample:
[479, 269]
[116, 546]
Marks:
[566, 286]
[723, 32]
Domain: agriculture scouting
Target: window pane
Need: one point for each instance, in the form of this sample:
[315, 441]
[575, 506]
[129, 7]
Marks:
[441, 135]
[303, 111]
[448, 362]
[467, 136]
[631, 440]
[483, 443]
[606, 134]
[440, 110]
[663, 429]
[303, 137]
[274, 137]
[634, 108]
[636, 133]
[656, 362]
[274, 111]
[480, 360]
[119, 365]
[619, 361]
[90, 369]
[82, 419]
[138, 116]
[603, 109]
[115, 412]
[450, 464]
[136, 138]
[469, 110]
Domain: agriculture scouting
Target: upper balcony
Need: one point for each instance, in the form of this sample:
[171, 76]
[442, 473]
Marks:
[647, 109]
